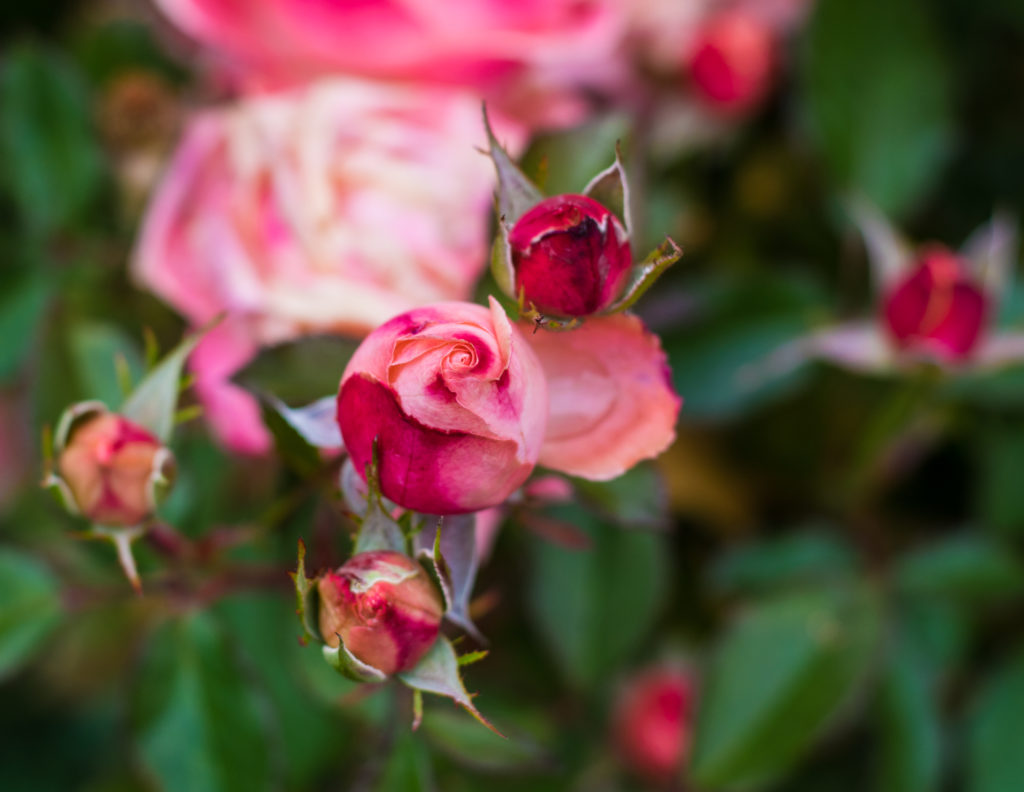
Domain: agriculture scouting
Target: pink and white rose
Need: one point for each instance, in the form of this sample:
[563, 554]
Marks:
[327, 209]
[456, 401]
[527, 54]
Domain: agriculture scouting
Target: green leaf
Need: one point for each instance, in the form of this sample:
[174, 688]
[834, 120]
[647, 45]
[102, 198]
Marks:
[95, 348]
[301, 371]
[30, 610]
[51, 162]
[461, 738]
[154, 402]
[637, 498]
[643, 276]
[594, 607]
[964, 568]
[995, 761]
[772, 564]
[1000, 497]
[908, 726]
[23, 304]
[717, 360]
[197, 722]
[782, 673]
[408, 767]
[883, 121]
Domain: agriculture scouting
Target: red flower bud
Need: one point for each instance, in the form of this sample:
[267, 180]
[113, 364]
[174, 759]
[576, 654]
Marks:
[937, 308]
[571, 256]
[383, 606]
[112, 468]
[732, 62]
[652, 723]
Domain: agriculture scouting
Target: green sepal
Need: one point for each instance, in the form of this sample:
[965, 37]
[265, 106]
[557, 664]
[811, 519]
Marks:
[643, 275]
[502, 268]
[438, 673]
[121, 536]
[610, 188]
[154, 402]
[378, 530]
[516, 193]
[307, 605]
[344, 662]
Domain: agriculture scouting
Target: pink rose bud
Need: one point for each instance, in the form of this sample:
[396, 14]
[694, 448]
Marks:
[113, 468]
[652, 723]
[456, 401]
[937, 308]
[383, 606]
[732, 62]
[571, 256]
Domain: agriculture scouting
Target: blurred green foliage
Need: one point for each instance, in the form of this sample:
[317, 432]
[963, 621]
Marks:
[852, 623]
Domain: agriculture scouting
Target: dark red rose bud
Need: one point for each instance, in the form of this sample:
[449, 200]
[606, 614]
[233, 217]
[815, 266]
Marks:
[937, 309]
[571, 256]
[732, 62]
[384, 607]
[112, 469]
[652, 723]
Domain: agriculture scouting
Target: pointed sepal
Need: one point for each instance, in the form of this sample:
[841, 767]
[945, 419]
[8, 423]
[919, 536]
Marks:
[990, 253]
[516, 193]
[121, 537]
[347, 664]
[154, 402]
[610, 188]
[502, 268]
[888, 252]
[307, 599]
[316, 423]
[379, 530]
[450, 559]
[438, 673]
[644, 274]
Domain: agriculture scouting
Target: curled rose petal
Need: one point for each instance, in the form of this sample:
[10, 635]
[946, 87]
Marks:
[611, 401]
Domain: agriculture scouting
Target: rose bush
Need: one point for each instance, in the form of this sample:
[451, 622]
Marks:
[457, 402]
[310, 211]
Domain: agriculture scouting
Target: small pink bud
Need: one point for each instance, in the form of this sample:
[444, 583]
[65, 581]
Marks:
[652, 723]
[112, 468]
[732, 62]
[571, 256]
[384, 607]
[937, 308]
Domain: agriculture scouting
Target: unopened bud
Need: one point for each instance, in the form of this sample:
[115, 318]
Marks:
[571, 256]
[383, 607]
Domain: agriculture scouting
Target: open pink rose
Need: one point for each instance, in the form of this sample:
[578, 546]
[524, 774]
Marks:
[456, 401]
[325, 209]
[611, 400]
[519, 53]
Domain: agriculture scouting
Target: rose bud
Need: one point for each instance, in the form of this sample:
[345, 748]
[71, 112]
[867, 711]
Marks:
[732, 61]
[112, 469]
[383, 607]
[652, 723]
[937, 309]
[571, 256]
[456, 402]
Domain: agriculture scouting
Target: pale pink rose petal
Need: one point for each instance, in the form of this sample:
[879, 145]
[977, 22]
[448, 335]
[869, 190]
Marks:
[487, 526]
[233, 413]
[611, 400]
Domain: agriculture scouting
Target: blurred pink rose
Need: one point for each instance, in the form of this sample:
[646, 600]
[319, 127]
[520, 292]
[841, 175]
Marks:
[937, 308]
[612, 403]
[731, 62]
[521, 53]
[652, 723]
[457, 401]
[325, 209]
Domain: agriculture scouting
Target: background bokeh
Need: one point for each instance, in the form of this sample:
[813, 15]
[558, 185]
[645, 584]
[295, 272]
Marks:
[832, 558]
